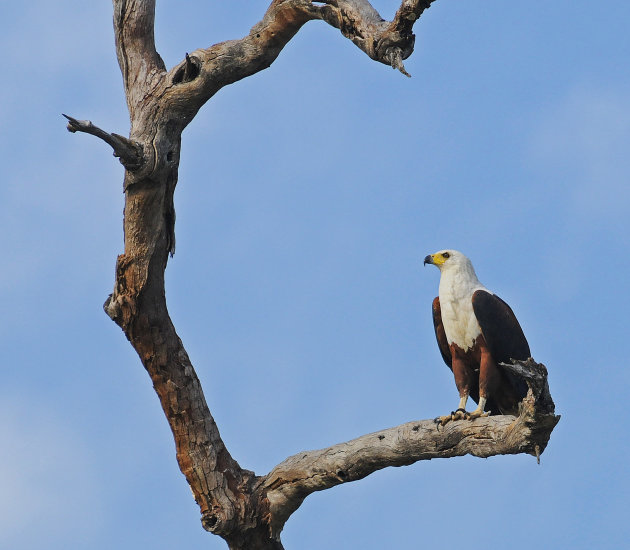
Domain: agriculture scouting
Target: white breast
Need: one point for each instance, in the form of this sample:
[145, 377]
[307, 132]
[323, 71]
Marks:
[456, 290]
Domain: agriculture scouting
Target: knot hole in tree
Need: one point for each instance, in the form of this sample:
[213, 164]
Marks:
[188, 71]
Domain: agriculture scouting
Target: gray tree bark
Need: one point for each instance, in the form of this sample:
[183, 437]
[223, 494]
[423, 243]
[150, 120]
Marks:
[247, 510]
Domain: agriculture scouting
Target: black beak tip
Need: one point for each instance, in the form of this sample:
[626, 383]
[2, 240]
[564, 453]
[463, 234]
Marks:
[427, 260]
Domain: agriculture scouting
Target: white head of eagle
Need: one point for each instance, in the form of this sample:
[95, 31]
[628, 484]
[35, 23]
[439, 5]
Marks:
[476, 331]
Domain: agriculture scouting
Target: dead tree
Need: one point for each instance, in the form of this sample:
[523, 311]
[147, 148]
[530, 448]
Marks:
[249, 510]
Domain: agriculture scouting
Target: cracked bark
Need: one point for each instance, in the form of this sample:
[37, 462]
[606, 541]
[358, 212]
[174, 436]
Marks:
[247, 510]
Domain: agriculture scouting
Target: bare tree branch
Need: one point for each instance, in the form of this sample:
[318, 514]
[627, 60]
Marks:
[134, 22]
[228, 62]
[291, 481]
[128, 151]
[387, 42]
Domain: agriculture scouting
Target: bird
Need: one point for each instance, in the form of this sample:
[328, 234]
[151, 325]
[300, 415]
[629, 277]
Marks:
[476, 331]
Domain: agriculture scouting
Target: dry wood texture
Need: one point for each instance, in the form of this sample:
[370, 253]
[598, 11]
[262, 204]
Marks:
[249, 511]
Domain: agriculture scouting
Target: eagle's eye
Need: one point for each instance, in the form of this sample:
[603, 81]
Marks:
[445, 255]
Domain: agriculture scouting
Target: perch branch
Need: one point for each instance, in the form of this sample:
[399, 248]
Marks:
[535, 374]
[129, 152]
[291, 481]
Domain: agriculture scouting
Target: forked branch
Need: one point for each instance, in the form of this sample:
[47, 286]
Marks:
[249, 511]
[389, 42]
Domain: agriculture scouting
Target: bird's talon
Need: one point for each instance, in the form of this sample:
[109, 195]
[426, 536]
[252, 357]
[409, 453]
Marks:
[442, 420]
[477, 414]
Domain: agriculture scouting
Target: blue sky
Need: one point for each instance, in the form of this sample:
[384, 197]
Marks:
[308, 196]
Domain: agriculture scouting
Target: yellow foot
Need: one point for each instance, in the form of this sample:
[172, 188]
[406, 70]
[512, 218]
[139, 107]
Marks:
[459, 414]
[477, 413]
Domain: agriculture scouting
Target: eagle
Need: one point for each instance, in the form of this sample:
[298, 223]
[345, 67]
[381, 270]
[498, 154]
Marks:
[476, 331]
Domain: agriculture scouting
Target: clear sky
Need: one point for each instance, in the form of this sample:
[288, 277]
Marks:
[308, 196]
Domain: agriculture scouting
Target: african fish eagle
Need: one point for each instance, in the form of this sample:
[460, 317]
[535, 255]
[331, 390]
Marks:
[476, 331]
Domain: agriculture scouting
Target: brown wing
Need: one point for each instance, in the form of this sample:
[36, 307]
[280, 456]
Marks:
[503, 334]
[500, 328]
[440, 334]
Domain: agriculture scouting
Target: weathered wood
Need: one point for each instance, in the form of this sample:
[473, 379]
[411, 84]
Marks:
[291, 481]
[535, 375]
[128, 151]
[248, 511]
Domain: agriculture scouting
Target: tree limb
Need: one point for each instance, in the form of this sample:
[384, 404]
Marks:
[291, 481]
[129, 152]
[387, 42]
[227, 62]
[134, 22]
